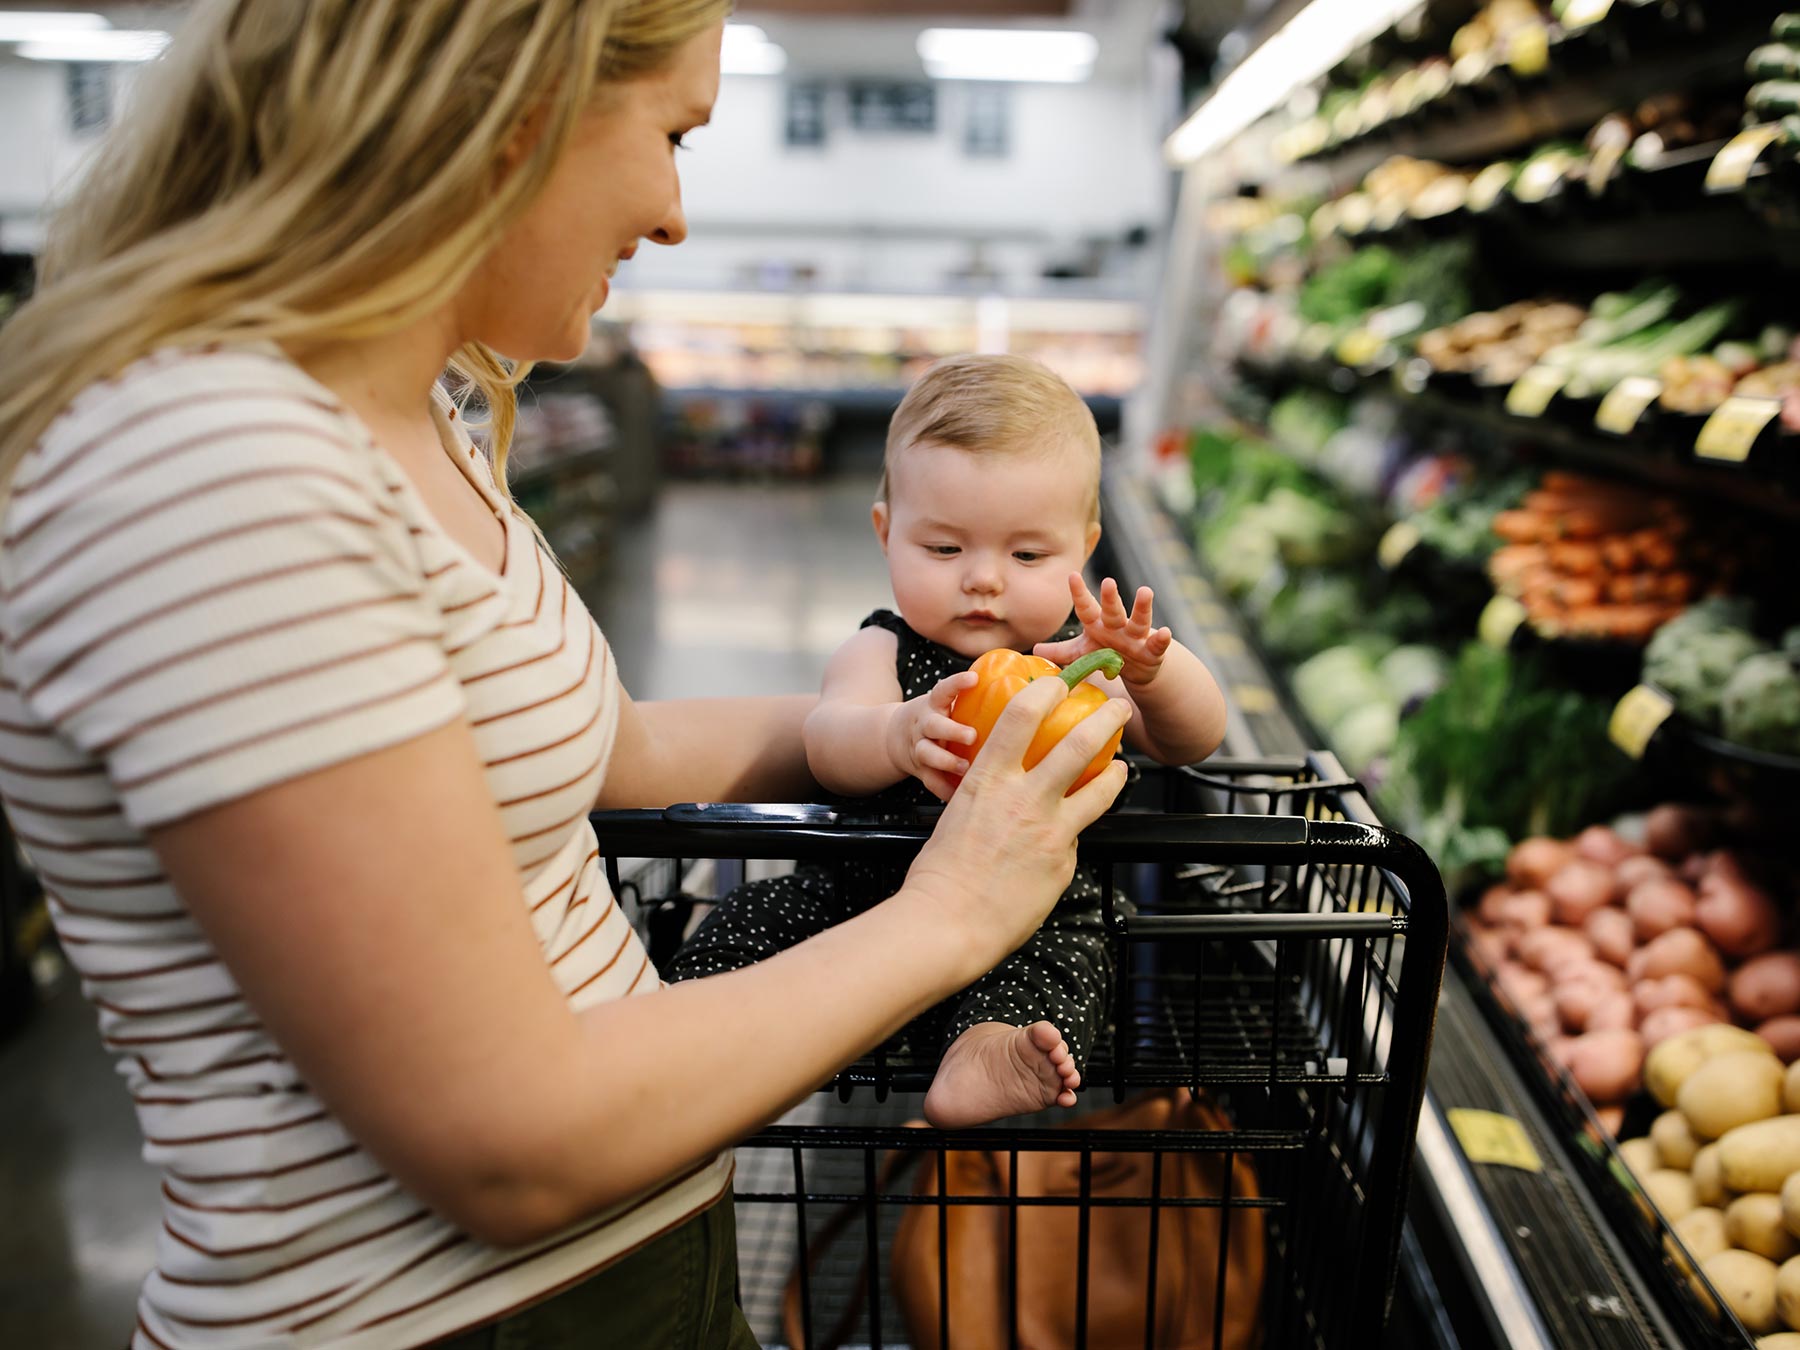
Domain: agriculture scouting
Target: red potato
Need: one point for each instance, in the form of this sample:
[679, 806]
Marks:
[1524, 910]
[1580, 888]
[1636, 871]
[1576, 1001]
[1611, 1118]
[1660, 1025]
[1671, 991]
[1606, 1064]
[1602, 845]
[1766, 986]
[1520, 983]
[1489, 945]
[1492, 899]
[1741, 919]
[1533, 862]
[1694, 870]
[1613, 935]
[1656, 907]
[1680, 951]
[1545, 949]
[1615, 1011]
[1783, 1036]
[1674, 832]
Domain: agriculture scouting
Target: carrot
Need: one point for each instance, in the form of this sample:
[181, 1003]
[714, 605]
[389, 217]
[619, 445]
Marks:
[1522, 527]
[1575, 557]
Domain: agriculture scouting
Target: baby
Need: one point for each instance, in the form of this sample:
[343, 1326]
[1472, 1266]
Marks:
[989, 509]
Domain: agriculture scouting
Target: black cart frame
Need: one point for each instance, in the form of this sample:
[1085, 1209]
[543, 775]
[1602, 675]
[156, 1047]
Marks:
[1277, 948]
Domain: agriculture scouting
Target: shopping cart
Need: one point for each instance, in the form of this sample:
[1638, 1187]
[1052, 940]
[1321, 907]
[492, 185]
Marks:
[1278, 951]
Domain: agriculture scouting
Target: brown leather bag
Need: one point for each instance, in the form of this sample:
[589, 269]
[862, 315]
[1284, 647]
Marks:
[1188, 1277]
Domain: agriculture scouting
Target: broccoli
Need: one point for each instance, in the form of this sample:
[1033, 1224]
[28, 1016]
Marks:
[1692, 657]
[1761, 705]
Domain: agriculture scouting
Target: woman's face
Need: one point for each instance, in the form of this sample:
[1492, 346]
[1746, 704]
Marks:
[616, 185]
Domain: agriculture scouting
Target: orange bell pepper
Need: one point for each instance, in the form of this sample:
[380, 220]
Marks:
[1004, 672]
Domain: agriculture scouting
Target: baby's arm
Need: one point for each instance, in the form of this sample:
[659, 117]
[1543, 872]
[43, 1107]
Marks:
[1179, 713]
[864, 736]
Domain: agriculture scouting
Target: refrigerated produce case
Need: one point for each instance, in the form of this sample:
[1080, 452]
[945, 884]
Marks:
[1499, 263]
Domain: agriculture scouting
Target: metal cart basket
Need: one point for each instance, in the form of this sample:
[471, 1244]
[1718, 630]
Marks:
[1278, 950]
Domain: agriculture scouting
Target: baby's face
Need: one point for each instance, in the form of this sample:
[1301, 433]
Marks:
[980, 547]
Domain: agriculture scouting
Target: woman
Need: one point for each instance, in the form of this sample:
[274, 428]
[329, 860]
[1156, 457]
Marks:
[301, 728]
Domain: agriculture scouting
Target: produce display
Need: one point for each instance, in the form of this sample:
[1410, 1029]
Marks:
[1726, 678]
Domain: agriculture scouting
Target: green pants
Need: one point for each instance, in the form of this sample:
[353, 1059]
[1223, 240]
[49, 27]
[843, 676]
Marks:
[678, 1293]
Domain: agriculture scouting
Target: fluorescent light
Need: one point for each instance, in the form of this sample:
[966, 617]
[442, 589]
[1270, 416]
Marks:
[23, 25]
[748, 51]
[1308, 45]
[1047, 56]
[106, 44]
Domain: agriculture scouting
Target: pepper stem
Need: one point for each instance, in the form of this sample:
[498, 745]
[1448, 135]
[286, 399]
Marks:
[1106, 659]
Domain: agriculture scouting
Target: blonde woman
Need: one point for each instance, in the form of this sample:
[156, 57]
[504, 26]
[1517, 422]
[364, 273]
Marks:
[301, 727]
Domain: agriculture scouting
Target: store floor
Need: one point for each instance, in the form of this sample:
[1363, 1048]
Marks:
[723, 588]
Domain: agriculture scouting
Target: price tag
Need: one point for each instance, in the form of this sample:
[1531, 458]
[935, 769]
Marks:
[1534, 390]
[1540, 178]
[1585, 13]
[1604, 165]
[1360, 347]
[1528, 53]
[1637, 718]
[1494, 1139]
[1623, 408]
[1489, 185]
[1503, 617]
[1400, 540]
[1254, 699]
[1732, 430]
[1730, 169]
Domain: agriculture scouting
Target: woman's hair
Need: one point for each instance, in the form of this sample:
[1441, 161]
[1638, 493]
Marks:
[995, 405]
[311, 171]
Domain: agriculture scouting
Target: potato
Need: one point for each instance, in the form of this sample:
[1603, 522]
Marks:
[1741, 919]
[1781, 1340]
[1602, 845]
[1766, 986]
[1606, 1065]
[1790, 1203]
[1524, 910]
[1636, 871]
[1754, 1224]
[1680, 951]
[1671, 991]
[1783, 1036]
[1730, 1090]
[1656, 907]
[1762, 1155]
[1787, 1299]
[1674, 832]
[1544, 949]
[1520, 983]
[1611, 932]
[1534, 861]
[1790, 1091]
[1746, 1282]
[1675, 1142]
[1669, 1065]
[1641, 1156]
[1613, 1012]
[1492, 900]
[1660, 1025]
[1580, 888]
[1709, 1180]
[1702, 1232]
[1673, 1193]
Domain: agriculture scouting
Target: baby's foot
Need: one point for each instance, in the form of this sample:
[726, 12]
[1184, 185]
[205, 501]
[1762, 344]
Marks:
[993, 1070]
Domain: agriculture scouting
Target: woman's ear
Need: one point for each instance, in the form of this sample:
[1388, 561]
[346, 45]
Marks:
[880, 519]
[524, 139]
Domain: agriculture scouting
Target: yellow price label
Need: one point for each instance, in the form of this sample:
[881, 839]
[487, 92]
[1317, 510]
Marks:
[1585, 13]
[1534, 390]
[1540, 178]
[1528, 53]
[1638, 717]
[1489, 185]
[1624, 407]
[1360, 347]
[1503, 617]
[1491, 1138]
[1733, 428]
[1254, 699]
[1397, 544]
[1731, 167]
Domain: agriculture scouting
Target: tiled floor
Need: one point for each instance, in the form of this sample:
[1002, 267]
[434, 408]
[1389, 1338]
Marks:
[723, 588]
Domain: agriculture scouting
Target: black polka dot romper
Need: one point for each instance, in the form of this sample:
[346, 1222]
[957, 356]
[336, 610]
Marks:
[1063, 974]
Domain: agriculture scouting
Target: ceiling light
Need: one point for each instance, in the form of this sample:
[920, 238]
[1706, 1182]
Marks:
[1047, 56]
[748, 51]
[1311, 43]
[107, 44]
[25, 24]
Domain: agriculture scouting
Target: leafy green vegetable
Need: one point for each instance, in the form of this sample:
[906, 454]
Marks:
[1693, 655]
[1760, 706]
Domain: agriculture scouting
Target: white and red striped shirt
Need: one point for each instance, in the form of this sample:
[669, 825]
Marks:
[214, 581]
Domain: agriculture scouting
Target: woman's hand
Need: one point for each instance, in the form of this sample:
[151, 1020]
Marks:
[919, 726]
[1105, 623]
[1004, 849]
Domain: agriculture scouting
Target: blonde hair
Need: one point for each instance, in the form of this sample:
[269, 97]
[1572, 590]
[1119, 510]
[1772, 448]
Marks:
[308, 171]
[994, 405]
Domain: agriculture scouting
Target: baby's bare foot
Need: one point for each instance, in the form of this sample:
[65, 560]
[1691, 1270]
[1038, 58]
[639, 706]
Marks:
[993, 1070]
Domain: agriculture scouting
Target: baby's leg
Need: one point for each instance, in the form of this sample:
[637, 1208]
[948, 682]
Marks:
[757, 920]
[1022, 1033]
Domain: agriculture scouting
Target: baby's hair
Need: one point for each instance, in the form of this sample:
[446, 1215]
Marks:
[986, 405]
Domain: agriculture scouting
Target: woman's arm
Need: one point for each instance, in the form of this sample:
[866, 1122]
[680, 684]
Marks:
[372, 915]
[709, 750]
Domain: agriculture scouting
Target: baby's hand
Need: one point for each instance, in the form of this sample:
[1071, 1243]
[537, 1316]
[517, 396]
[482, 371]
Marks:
[920, 733]
[1105, 623]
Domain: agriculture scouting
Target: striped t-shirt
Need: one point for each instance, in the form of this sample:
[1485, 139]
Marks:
[214, 581]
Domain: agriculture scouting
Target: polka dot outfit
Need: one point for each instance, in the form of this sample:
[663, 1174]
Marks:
[1063, 974]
